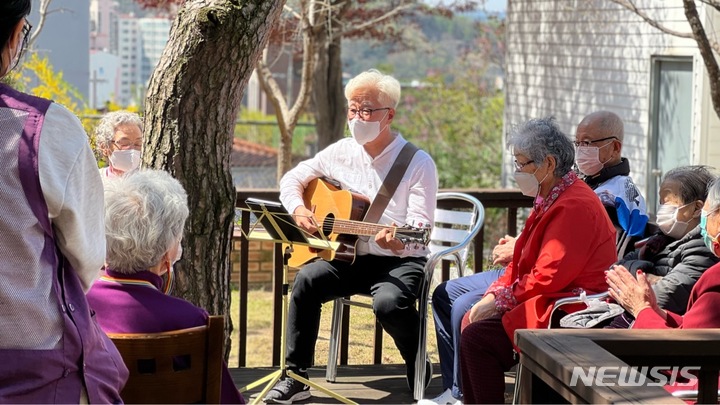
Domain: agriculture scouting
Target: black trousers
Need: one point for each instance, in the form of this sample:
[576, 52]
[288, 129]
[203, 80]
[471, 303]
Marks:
[393, 282]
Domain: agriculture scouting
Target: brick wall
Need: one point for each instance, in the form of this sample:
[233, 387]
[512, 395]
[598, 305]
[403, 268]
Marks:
[260, 263]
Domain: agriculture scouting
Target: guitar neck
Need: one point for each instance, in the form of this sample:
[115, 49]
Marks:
[358, 228]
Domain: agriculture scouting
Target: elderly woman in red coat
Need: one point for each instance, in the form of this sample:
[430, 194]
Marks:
[566, 245]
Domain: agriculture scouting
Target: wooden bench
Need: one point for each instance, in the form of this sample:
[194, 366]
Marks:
[549, 357]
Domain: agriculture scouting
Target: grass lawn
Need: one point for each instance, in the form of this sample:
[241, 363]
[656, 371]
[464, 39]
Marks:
[259, 340]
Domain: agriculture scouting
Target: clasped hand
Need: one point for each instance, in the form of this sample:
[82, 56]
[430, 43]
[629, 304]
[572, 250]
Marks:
[632, 293]
[503, 251]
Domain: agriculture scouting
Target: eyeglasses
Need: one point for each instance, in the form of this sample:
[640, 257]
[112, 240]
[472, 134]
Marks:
[124, 145]
[365, 113]
[27, 27]
[519, 166]
[588, 143]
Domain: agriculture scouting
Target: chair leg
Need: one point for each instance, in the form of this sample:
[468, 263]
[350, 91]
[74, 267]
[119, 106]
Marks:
[336, 325]
[419, 385]
[516, 391]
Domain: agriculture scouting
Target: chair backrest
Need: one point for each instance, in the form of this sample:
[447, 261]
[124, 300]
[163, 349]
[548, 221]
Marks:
[182, 366]
[455, 228]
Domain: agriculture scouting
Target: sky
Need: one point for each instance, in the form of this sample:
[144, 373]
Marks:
[496, 5]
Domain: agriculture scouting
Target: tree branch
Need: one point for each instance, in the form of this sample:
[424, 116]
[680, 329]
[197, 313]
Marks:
[273, 92]
[711, 64]
[628, 4]
[381, 18]
[308, 65]
[293, 12]
[43, 13]
[712, 3]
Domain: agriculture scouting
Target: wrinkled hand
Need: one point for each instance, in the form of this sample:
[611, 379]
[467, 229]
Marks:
[484, 309]
[503, 252]
[633, 294]
[305, 219]
[387, 240]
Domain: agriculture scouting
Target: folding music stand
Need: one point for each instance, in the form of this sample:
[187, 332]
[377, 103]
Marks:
[280, 227]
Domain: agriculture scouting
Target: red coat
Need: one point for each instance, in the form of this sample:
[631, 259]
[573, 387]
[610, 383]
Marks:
[568, 247]
[702, 310]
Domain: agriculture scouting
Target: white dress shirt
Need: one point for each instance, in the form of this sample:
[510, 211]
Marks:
[349, 164]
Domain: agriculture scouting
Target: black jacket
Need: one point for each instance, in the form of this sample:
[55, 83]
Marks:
[679, 263]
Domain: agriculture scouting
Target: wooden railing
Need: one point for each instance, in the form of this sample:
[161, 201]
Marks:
[511, 200]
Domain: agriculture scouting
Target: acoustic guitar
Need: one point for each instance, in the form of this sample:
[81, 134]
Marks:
[339, 214]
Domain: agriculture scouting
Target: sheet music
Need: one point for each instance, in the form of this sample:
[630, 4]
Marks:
[274, 223]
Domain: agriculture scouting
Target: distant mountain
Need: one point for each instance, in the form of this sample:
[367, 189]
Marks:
[438, 45]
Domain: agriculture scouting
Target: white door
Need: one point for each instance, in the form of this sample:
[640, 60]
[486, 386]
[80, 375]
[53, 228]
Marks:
[671, 117]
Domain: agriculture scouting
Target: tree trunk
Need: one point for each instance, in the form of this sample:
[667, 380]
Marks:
[192, 101]
[328, 93]
[706, 51]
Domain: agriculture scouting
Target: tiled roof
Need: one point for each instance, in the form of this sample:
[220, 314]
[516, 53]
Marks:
[250, 154]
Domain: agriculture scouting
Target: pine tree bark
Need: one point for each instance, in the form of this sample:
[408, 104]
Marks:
[190, 109]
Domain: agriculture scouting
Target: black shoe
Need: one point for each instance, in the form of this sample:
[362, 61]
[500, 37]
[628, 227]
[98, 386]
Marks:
[287, 391]
[410, 374]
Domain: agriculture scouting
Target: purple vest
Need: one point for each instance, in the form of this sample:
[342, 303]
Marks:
[65, 351]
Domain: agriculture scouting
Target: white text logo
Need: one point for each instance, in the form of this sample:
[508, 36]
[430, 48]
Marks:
[627, 376]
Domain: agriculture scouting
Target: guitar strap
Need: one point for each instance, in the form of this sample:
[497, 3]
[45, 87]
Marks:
[390, 183]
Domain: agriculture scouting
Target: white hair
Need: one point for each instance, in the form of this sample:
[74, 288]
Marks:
[145, 213]
[387, 85]
[105, 130]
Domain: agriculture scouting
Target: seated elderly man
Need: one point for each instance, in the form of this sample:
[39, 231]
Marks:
[567, 244]
[118, 138]
[144, 218]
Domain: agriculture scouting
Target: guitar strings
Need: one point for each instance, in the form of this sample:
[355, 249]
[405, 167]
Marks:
[342, 226]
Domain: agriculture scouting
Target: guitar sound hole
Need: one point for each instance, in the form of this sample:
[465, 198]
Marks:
[327, 225]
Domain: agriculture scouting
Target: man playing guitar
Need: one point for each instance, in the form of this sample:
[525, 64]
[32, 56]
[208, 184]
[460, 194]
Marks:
[383, 266]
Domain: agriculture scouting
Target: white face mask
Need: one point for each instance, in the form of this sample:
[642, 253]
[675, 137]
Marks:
[13, 60]
[588, 161]
[364, 131]
[125, 160]
[668, 223]
[528, 183]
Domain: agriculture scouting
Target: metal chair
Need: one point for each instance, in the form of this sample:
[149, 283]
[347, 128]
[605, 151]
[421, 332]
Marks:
[450, 239]
[182, 366]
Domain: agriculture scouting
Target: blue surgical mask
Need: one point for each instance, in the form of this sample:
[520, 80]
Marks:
[707, 239]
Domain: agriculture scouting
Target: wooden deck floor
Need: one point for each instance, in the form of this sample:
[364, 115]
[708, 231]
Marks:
[364, 384]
